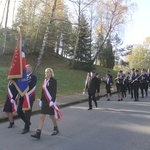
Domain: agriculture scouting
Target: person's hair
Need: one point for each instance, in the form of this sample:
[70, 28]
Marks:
[51, 70]
[29, 66]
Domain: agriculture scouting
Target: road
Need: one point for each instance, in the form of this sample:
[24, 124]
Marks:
[123, 125]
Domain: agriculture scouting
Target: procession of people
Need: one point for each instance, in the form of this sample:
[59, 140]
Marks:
[22, 102]
[15, 102]
[22, 89]
[135, 83]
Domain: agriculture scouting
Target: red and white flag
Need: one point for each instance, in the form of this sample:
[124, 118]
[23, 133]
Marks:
[17, 73]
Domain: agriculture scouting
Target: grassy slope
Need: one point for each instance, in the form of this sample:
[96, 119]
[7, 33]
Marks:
[69, 81]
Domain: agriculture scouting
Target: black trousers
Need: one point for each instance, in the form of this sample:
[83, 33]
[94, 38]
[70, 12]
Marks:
[25, 115]
[131, 90]
[136, 91]
[144, 88]
[92, 97]
[128, 88]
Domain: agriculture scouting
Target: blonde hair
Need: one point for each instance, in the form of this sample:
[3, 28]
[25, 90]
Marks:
[51, 70]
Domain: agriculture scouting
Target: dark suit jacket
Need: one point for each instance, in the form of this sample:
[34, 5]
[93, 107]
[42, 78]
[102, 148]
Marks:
[52, 88]
[136, 82]
[7, 105]
[13, 90]
[32, 80]
[92, 85]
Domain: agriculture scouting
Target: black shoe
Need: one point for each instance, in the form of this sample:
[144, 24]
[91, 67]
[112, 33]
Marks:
[90, 109]
[27, 126]
[37, 135]
[55, 132]
[118, 99]
[108, 99]
[25, 131]
[121, 100]
[11, 124]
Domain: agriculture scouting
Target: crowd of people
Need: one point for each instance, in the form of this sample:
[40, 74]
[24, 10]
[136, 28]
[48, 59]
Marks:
[15, 102]
[134, 83]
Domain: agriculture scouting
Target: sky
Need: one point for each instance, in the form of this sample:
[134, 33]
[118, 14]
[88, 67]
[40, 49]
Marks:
[139, 28]
[135, 31]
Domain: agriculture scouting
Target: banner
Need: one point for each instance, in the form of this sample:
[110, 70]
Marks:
[17, 73]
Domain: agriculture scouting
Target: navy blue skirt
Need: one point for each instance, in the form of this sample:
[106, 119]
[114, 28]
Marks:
[7, 106]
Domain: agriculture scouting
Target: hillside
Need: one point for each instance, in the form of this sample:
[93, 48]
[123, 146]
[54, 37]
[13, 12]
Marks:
[69, 80]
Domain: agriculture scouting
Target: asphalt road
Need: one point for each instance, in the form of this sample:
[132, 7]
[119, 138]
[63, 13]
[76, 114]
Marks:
[114, 125]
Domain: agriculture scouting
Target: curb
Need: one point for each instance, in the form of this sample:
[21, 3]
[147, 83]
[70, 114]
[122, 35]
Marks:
[34, 112]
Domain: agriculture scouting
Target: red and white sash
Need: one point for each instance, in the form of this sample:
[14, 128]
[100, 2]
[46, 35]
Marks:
[13, 105]
[57, 112]
[26, 97]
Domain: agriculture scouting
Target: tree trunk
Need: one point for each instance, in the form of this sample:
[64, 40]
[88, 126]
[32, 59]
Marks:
[3, 12]
[75, 49]
[97, 53]
[5, 34]
[45, 38]
[78, 34]
[58, 43]
[36, 36]
[13, 12]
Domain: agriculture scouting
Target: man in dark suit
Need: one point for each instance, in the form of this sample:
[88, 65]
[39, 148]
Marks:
[132, 76]
[26, 115]
[143, 82]
[92, 88]
[136, 85]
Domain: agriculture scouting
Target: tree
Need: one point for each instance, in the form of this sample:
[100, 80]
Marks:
[45, 36]
[34, 15]
[4, 12]
[112, 15]
[83, 53]
[135, 59]
[81, 7]
[139, 57]
[146, 59]
[106, 56]
[13, 14]
[5, 33]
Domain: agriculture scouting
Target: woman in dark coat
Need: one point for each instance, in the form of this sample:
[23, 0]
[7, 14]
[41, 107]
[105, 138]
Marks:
[10, 103]
[47, 103]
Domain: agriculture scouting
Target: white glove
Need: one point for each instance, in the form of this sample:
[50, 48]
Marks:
[51, 103]
[40, 103]
[12, 101]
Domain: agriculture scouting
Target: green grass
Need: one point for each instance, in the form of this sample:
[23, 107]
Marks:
[69, 81]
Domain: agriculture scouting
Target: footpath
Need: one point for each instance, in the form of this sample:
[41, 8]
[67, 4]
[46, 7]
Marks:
[62, 101]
